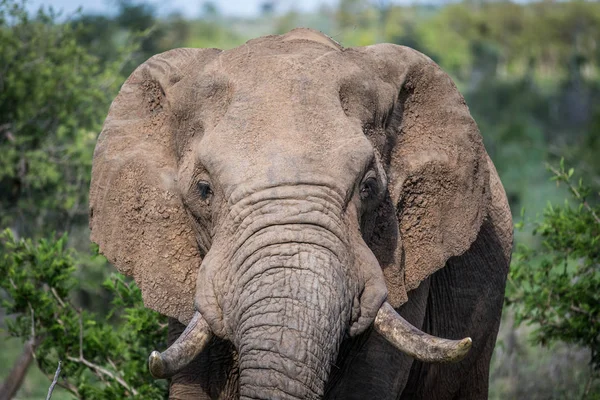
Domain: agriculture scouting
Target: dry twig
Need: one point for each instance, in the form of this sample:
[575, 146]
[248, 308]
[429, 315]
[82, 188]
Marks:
[13, 381]
[54, 381]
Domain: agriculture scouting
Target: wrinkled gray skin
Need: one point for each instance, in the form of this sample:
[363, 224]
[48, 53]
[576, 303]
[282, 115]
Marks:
[304, 184]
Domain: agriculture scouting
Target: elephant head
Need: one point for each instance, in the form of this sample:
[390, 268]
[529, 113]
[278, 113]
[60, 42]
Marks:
[285, 195]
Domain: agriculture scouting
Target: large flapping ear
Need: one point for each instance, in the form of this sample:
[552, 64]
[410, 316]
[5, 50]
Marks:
[136, 212]
[436, 165]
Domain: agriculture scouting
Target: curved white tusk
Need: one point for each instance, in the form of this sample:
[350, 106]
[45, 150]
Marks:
[412, 341]
[187, 346]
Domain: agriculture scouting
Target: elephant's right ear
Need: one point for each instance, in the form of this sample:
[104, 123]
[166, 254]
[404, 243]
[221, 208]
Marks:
[136, 213]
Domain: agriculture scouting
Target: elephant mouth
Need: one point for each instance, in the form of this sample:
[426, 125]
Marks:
[388, 323]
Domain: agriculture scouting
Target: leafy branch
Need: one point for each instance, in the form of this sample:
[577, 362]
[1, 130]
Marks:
[38, 279]
[580, 192]
[554, 286]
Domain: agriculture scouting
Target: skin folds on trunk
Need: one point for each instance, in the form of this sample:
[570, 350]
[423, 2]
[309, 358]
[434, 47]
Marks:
[279, 282]
[291, 323]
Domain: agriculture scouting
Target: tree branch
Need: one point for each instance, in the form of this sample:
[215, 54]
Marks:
[54, 381]
[104, 372]
[13, 381]
[57, 297]
[588, 385]
[63, 384]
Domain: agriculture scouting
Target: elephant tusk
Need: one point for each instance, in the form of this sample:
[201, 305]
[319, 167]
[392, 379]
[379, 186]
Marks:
[187, 346]
[412, 341]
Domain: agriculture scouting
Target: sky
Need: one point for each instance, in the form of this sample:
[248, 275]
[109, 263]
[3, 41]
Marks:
[190, 8]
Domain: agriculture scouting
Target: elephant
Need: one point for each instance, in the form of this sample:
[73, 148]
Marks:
[303, 213]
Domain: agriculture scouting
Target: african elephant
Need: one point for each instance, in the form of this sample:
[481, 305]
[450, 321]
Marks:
[285, 200]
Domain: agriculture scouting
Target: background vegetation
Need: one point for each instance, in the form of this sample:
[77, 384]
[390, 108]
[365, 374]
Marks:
[530, 74]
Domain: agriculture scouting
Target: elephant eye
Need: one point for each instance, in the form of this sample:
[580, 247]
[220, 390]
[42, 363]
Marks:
[204, 190]
[368, 188]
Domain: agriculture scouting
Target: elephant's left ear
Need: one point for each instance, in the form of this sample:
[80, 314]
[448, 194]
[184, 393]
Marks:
[436, 164]
[136, 213]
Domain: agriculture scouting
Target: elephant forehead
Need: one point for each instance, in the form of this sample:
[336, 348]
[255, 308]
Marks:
[288, 119]
[262, 153]
[308, 85]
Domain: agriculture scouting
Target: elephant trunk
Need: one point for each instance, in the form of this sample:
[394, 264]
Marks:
[291, 324]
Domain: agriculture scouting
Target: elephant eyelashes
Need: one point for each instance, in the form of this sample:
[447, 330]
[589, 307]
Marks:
[204, 190]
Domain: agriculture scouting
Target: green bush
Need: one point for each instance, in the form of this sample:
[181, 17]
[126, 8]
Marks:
[54, 96]
[555, 286]
[102, 357]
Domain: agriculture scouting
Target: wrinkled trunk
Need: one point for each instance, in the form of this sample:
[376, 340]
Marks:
[280, 284]
[291, 323]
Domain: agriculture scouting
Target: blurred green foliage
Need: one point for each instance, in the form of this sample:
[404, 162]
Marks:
[555, 286]
[102, 357]
[529, 72]
[53, 98]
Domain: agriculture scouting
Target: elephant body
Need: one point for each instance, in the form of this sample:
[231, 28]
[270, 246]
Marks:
[277, 197]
